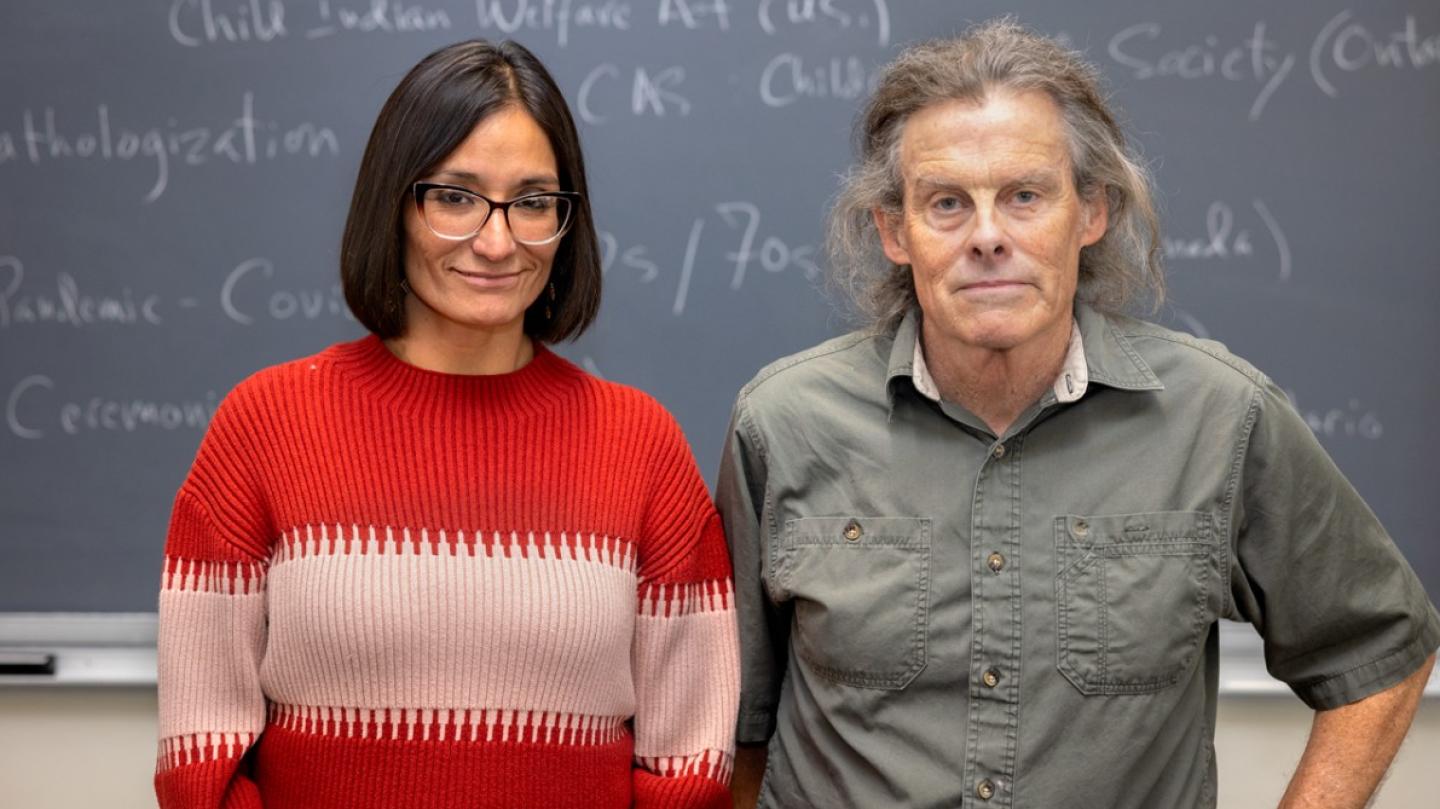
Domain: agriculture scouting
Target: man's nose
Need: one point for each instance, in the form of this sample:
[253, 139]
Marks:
[988, 240]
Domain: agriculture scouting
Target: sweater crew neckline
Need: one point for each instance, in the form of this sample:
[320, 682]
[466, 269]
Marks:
[371, 364]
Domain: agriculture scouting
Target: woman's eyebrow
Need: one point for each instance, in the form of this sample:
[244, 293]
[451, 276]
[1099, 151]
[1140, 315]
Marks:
[471, 178]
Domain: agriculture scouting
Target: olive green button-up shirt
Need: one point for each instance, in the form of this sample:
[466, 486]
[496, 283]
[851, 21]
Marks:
[934, 616]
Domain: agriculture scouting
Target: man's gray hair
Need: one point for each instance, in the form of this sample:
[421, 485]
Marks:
[1116, 272]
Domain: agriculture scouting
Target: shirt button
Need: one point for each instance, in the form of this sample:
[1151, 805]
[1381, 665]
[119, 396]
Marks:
[991, 678]
[998, 452]
[996, 562]
[853, 531]
[985, 789]
[1082, 528]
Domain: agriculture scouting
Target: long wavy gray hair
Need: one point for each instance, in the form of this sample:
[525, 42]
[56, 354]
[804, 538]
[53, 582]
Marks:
[1116, 273]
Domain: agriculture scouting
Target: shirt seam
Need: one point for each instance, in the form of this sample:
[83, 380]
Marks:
[1317, 683]
[766, 509]
[768, 716]
[780, 366]
[1254, 375]
[1232, 487]
[221, 532]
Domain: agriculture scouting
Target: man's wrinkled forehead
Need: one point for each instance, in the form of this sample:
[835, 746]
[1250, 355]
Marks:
[1028, 141]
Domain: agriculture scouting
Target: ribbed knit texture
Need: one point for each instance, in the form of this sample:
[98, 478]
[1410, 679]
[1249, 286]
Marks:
[388, 587]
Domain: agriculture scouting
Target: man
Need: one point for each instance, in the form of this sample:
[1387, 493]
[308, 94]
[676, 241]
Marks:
[981, 548]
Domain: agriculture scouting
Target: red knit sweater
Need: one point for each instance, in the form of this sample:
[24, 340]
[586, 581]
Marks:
[387, 587]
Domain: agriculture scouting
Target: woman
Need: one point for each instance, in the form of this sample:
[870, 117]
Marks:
[441, 566]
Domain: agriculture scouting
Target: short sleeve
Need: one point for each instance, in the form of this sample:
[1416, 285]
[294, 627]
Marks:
[1341, 612]
[764, 625]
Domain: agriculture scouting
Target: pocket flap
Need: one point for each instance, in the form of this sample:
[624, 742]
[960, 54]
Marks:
[1135, 595]
[858, 530]
[1146, 527]
[860, 591]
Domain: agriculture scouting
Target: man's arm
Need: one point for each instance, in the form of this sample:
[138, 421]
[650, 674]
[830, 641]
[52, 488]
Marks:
[764, 632]
[749, 771]
[1350, 747]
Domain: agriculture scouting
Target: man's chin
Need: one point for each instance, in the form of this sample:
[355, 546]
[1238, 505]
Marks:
[995, 330]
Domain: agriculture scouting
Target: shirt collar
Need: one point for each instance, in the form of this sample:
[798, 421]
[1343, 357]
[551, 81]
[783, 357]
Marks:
[1069, 384]
[1097, 353]
[1110, 358]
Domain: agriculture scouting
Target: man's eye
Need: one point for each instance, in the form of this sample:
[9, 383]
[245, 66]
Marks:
[1026, 197]
[947, 204]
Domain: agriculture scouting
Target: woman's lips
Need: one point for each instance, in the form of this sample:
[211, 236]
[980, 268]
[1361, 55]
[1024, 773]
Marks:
[484, 280]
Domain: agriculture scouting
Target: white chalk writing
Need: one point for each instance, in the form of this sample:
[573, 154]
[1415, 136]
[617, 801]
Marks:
[243, 306]
[559, 16]
[198, 23]
[67, 304]
[862, 14]
[651, 94]
[752, 247]
[1353, 420]
[633, 258]
[380, 16]
[787, 79]
[1223, 241]
[1351, 46]
[773, 254]
[31, 412]
[245, 141]
[693, 14]
[1255, 59]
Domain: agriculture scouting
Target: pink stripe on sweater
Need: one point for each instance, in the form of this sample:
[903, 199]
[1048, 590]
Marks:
[228, 578]
[713, 764]
[309, 540]
[543, 631]
[688, 669]
[195, 748]
[450, 724]
[209, 650]
[673, 600]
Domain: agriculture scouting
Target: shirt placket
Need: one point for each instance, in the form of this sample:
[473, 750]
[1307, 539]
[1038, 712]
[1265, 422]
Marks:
[995, 558]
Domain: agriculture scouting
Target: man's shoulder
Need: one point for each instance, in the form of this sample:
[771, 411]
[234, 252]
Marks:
[857, 359]
[1177, 358]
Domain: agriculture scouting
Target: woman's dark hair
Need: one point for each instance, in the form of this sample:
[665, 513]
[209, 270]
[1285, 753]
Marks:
[429, 114]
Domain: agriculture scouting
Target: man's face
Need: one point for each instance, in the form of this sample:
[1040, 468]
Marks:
[992, 224]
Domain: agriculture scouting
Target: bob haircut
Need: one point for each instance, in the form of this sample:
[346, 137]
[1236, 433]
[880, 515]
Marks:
[429, 114]
[1118, 272]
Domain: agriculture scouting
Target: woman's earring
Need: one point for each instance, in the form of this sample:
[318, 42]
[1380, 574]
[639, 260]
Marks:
[552, 300]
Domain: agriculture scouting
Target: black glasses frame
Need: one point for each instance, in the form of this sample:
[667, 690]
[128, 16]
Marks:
[418, 190]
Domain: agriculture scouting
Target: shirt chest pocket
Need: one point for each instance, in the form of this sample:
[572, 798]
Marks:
[860, 591]
[1134, 597]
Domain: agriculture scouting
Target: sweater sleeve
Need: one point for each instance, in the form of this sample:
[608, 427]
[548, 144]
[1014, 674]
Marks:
[685, 654]
[212, 630]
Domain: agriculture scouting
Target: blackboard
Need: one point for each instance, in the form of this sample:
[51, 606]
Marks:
[174, 176]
